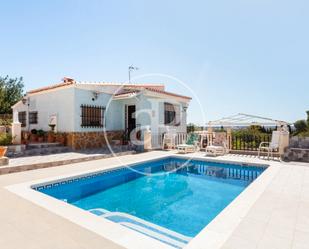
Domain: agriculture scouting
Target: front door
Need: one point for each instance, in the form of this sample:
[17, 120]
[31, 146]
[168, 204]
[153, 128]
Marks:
[131, 121]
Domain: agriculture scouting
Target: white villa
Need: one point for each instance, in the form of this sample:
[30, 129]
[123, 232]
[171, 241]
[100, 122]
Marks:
[84, 110]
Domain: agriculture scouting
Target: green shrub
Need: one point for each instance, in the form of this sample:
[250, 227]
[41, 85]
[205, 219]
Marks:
[300, 127]
[303, 134]
[40, 133]
[5, 122]
[34, 131]
[5, 139]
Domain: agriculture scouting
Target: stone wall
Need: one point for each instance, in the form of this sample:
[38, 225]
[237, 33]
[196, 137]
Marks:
[299, 142]
[298, 150]
[87, 140]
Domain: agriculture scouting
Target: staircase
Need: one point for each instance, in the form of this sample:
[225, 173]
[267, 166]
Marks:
[37, 149]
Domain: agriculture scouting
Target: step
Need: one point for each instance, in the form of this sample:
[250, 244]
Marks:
[147, 228]
[41, 151]
[42, 145]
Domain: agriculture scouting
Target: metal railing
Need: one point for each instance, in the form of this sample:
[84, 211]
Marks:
[249, 142]
[180, 138]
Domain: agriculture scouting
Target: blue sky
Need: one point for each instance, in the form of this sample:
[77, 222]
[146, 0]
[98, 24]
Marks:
[249, 56]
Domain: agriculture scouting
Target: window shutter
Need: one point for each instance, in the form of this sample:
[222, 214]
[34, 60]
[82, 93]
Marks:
[177, 115]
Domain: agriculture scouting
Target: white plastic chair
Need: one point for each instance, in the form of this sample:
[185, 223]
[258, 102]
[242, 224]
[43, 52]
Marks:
[218, 146]
[216, 150]
[272, 146]
[169, 140]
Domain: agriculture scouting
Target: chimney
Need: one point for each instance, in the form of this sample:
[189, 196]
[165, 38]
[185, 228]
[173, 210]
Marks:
[68, 80]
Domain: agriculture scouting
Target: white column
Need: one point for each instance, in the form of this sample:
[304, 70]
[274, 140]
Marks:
[147, 139]
[283, 141]
[229, 137]
[210, 134]
[16, 129]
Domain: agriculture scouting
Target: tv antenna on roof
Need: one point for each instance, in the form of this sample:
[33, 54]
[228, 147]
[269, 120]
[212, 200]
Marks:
[130, 69]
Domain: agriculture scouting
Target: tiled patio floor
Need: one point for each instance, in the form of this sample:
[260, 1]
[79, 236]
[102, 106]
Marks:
[279, 218]
[61, 156]
[44, 161]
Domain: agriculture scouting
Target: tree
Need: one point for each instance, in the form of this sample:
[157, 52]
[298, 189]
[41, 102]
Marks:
[302, 126]
[11, 91]
[191, 127]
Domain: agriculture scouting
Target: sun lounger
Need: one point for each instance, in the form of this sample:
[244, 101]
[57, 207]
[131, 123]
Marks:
[190, 146]
[215, 150]
[218, 146]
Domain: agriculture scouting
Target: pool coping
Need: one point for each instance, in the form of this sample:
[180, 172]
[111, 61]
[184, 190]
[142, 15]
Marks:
[212, 236]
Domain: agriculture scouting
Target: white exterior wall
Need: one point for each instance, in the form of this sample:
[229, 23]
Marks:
[150, 112]
[114, 113]
[183, 117]
[53, 102]
[66, 104]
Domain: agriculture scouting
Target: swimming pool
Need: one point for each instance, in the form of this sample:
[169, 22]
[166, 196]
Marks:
[170, 199]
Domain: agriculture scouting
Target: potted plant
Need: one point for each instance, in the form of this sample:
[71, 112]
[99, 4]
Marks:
[3, 150]
[25, 137]
[5, 139]
[51, 137]
[52, 127]
[40, 134]
[34, 135]
[60, 138]
[125, 138]
[51, 133]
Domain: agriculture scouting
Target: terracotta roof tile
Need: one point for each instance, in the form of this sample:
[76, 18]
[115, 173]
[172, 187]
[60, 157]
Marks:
[156, 86]
[131, 88]
[167, 93]
[132, 91]
[126, 92]
[42, 89]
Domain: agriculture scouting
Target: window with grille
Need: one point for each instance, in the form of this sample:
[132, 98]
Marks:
[22, 118]
[171, 114]
[33, 117]
[92, 116]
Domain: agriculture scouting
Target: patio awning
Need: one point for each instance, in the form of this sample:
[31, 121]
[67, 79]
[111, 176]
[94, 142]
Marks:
[242, 119]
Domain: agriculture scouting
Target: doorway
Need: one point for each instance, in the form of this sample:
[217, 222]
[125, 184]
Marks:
[131, 119]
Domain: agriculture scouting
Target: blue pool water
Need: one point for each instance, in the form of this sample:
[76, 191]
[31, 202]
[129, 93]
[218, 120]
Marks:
[179, 196]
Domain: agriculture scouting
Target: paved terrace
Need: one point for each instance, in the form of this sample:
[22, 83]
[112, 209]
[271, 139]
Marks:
[45, 161]
[277, 217]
